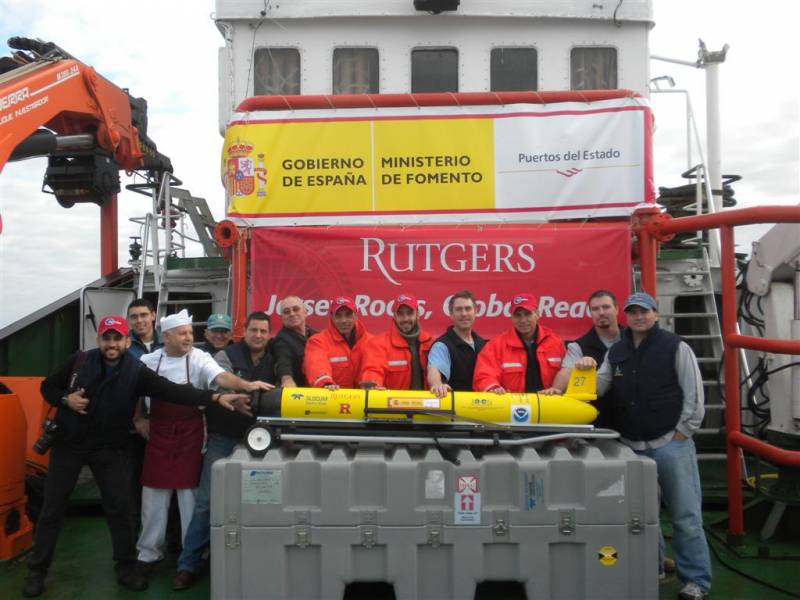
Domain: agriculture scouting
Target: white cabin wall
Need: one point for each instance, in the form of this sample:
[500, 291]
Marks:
[636, 10]
[397, 35]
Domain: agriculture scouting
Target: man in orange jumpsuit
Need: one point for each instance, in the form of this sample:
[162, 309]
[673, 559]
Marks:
[526, 358]
[333, 357]
[398, 358]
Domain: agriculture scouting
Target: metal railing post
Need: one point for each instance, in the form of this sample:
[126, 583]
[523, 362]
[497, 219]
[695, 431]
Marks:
[731, 369]
[239, 268]
[143, 263]
[109, 226]
[648, 249]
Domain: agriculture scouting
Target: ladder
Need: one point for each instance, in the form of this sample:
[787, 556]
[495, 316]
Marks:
[202, 220]
[164, 237]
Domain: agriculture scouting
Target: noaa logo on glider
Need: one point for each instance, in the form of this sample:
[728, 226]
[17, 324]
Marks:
[297, 396]
[521, 413]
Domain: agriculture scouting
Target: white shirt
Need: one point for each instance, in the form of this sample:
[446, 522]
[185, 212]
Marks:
[203, 369]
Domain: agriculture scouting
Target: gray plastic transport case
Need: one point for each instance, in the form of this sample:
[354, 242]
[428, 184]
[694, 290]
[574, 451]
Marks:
[565, 520]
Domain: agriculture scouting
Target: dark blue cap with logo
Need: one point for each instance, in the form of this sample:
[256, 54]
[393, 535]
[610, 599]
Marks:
[641, 299]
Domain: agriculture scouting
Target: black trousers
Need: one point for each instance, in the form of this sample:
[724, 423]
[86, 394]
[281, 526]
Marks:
[111, 470]
[136, 445]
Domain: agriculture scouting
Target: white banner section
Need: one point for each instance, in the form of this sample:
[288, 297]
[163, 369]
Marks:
[567, 159]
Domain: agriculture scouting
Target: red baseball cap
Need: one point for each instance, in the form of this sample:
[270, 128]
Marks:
[342, 302]
[526, 301]
[406, 300]
[113, 323]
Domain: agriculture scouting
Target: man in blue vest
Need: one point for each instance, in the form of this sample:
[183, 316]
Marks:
[451, 361]
[657, 397]
[252, 360]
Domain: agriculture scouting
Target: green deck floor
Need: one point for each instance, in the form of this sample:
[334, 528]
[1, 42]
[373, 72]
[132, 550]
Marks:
[83, 568]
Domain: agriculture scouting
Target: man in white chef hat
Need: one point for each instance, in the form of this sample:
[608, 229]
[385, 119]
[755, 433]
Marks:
[175, 438]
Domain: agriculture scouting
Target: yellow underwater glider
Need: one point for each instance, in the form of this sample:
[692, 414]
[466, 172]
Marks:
[351, 405]
[459, 419]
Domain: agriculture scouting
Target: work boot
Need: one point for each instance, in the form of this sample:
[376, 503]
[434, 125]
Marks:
[691, 591]
[34, 585]
[146, 568]
[183, 580]
[131, 577]
[669, 565]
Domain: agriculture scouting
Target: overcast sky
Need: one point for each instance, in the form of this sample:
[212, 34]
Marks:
[167, 52]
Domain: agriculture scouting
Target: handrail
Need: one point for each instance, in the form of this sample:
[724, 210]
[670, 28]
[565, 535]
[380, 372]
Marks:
[301, 102]
[653, 227]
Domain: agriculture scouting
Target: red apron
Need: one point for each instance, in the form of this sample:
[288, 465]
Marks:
[172, 457]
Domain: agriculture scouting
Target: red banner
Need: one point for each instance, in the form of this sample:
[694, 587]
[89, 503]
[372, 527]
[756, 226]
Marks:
[560, 263]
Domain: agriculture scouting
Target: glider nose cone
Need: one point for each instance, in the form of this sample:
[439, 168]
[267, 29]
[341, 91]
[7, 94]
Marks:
[566, 410]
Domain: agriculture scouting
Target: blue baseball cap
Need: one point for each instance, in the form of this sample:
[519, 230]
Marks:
[219, 321]
[641, 299]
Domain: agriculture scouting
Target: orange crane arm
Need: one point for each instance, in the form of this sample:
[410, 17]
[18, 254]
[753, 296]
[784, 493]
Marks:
[53, 104]
[67, 97]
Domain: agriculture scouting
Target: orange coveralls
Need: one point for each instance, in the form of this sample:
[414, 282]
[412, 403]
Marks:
[330, 359]
[503, 361]
[386, 359]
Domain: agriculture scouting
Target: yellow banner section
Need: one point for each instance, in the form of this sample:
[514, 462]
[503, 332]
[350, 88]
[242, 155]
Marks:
[437, 164]
[359, 166]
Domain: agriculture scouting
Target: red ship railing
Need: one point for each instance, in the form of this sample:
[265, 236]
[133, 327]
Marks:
[653, 227]
[322, 101]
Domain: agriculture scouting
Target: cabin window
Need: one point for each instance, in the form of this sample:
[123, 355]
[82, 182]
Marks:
[276, 71]
[434, 70]
[355, 71]
[513, 69]
[593, 69]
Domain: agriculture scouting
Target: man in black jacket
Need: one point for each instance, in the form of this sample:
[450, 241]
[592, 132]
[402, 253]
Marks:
[451, 361]
[290, 343]
[605, 332]
[251, 360]
[95, 394]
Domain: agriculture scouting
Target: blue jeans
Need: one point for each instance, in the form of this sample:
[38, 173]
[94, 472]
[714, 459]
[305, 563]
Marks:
[197, 535]
[679, 483]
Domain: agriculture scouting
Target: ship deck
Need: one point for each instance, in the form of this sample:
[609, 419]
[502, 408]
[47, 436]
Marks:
[82, 569]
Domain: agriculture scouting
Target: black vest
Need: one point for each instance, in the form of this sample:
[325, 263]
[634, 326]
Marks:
[462, 358]
[646, 395]
[592, 345]
[111, 404]
[230, 423]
